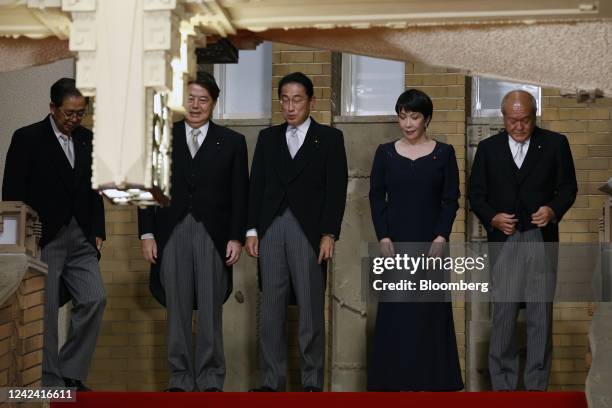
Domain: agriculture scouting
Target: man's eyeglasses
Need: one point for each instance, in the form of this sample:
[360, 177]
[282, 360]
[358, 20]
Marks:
[297, 101]
[80, 114]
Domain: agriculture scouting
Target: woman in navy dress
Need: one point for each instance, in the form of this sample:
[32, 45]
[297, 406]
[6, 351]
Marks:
[414, 192]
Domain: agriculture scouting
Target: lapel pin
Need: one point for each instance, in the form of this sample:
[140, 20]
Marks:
[434, 157]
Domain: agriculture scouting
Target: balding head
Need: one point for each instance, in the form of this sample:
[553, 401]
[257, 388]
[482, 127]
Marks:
[519, 97]
[519, 109]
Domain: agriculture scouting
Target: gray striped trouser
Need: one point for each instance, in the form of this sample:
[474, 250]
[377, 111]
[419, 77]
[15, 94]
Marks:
[521, 272]
[71, 258]
[193, 269]
[286, 257]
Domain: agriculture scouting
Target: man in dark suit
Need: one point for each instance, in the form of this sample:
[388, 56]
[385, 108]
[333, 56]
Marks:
[522, 183]
[193, 243]
[296, 203]
[48, 166]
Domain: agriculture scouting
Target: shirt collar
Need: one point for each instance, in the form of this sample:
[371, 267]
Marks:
[514, 143]
[303, 128]
[203, 128]
[57, 132]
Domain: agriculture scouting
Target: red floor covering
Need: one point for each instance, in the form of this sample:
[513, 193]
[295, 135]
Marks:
[328, 399]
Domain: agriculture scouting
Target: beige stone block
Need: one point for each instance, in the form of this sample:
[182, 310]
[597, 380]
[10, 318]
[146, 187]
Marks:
[574, 114]
[125, 228]
[600, 126]
[592, 163]
[589, 138]
[147, 314]
[585, 237]
[322, 56]
[296, 57]
[550, 92]
[130, 277]
[116, 315]
[562, 126]
[308, 69]
[601, 151]
[573, 226]
[112, 216]
[549, 114]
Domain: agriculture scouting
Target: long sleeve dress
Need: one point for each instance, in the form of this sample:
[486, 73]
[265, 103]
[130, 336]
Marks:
[414, 346]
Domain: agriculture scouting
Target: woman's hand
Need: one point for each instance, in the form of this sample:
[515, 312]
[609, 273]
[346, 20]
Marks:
[386, 247]
[437, 247]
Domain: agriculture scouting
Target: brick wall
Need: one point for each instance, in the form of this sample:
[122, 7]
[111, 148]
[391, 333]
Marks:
[21, 328]
[131, 352]
[589, 130]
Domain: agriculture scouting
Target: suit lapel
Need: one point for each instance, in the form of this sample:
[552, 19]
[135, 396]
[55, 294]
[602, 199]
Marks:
[208, 151]
[180, 151]
[81, 153]
[307, 151]
[283, 164]
[533, 155]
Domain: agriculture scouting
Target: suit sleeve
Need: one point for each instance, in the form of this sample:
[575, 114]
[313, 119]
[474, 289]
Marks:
[566, 186]
[335, 188]
[450, 197]
[478, 189]
[378, 195]
[16, 167]
[240, 192]
[146, 220]
[98, 227]
[257, 183]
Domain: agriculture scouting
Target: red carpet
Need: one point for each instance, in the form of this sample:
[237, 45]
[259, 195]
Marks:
[328, 399]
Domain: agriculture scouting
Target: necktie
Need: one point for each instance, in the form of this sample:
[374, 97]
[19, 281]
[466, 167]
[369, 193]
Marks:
[293, 141]
[194, 144]
[520, 155]
[67, 146]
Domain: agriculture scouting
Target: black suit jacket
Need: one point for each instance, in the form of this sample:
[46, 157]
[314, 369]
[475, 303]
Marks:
[547, 177]
[313, 184]
[38, 173]
[213, 187]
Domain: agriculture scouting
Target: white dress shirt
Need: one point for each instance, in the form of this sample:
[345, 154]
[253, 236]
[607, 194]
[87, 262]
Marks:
[301, 134]
[514, 148]
[203, 132]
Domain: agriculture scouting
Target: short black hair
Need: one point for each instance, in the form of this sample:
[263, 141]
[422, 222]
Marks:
[298, 78]
[413, 100]
[63, 88]
[207, 81]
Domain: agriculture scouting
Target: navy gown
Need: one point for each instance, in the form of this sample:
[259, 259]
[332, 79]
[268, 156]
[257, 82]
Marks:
[414, 346]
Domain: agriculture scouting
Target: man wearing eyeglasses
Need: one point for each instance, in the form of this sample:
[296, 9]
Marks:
[48, 166]
[296, 204]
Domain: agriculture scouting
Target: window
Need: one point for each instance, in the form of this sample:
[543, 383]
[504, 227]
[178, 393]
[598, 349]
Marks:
[246, 87]
[370, 86]
[487, 94]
